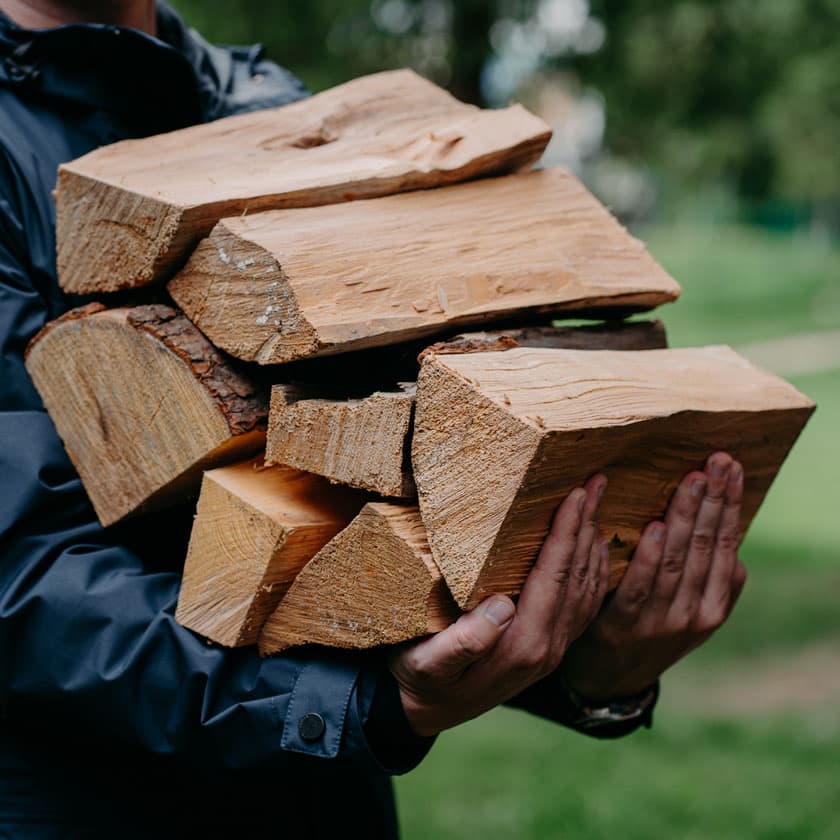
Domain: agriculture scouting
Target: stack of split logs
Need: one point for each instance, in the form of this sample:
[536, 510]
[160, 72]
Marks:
[335, 321]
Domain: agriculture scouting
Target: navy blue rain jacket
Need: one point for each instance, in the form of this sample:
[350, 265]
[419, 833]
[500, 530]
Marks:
[114, 720]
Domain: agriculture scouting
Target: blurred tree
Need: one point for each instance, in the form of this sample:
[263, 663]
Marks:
[704, 91]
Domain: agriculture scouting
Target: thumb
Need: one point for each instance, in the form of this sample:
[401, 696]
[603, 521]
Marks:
[448, 653]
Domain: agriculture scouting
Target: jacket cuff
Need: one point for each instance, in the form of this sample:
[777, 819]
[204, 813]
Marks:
[317, 709]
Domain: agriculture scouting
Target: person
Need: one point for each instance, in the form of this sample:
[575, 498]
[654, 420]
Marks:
[116, 721]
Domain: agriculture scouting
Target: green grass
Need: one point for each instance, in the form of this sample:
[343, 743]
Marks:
[701, 772]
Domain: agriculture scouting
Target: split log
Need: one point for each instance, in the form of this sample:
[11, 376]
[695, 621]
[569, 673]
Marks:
[256, 527]
[363, 440]
[357, 441]
[500, 439]
[143, 403]
[131, 212]
[373, 584]
[292, 284]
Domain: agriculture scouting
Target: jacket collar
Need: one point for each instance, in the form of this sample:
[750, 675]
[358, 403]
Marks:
[153, 83]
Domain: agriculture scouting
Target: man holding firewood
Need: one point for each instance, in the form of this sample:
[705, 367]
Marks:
[115, 720]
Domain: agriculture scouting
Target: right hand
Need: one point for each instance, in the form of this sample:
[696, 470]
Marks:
[496, 651]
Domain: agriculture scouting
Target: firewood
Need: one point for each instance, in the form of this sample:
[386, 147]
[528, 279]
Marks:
[256, 527]
[131, 212]
[355, 441]
[375, 583]
[143, 403]
[291, 284]
[363, 440]
[500, 439]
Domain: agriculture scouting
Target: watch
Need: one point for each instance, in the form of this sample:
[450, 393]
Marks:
[588, 714]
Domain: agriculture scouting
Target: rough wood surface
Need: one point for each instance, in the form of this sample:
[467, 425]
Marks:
[291, 284]
[373, 584]
[143, 403]
[620, 335]
[501, 438]
[256, 527]
[130, 212]
[357, 441]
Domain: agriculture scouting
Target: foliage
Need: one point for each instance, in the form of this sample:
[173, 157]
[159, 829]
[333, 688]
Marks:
[703, 91]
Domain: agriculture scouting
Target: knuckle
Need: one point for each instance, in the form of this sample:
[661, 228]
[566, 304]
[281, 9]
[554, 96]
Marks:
[727, 542]
[702, 540]
[465, 645]
[673, 561]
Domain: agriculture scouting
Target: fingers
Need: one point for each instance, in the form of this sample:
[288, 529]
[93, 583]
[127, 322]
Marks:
[636, 586]
[725, 578]
[700, 550]
[559, 595]
[446, 655]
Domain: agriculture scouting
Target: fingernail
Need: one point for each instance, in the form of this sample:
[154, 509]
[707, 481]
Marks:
[736, 473]
[698, 487]
[658, 533]
[500, 611]
[601, 488]
[719, 470]
[581, 499]
[605, 550]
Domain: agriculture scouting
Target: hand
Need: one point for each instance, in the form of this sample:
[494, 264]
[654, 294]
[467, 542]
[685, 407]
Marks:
[497, 650]
[681, 585]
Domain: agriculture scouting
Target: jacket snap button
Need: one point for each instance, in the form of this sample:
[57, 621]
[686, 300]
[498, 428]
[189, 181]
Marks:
[311, 727]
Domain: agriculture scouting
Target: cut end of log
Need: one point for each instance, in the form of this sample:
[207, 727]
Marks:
[361, 442]
[644, 419]
[373, 584]
[255, 529]
[138, 237]
[143, 403]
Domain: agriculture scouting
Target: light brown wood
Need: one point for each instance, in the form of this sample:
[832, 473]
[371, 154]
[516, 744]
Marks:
[256, 527]
[363, 440]
[291, 284]
[130, 213]
[373, 584]
[500, 439]
[357, 441]
[143, 404]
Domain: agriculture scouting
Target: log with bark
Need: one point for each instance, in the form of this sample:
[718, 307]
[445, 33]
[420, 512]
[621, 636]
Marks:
[375, 583]
[256, 527]
[131, 212]
[501, 438]
[143, 403]
[293, 284]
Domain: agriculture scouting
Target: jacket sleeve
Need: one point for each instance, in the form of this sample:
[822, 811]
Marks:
[87, 634]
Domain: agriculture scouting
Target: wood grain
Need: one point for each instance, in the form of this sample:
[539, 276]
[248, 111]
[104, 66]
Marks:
[143, 403]
[375, 583]
[501, 438]
[292, 284]
[359, 441]
[256, 527]
[130, 213]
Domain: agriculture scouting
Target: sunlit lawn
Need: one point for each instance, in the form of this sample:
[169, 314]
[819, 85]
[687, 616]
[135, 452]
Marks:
[724, 760]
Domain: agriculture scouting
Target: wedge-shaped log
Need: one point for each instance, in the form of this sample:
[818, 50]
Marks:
[373, 584]
[501, 438]
[355, 441]
[131, 212]
[290, 284]
[256, 527]
[143, 403]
